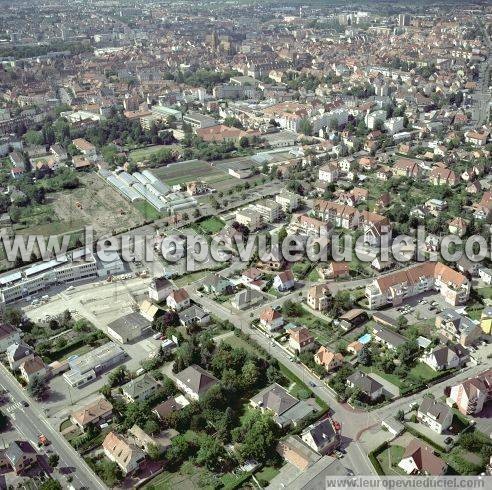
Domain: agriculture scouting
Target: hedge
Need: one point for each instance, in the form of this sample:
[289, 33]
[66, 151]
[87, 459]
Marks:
[374, 460]
[419, 435]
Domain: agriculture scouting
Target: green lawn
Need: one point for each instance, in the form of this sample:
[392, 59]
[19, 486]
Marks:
[268, 473]
[314, 275]
[211, 225]
[189, 278]
[236, 341]
[145, 153]
[393, 453]
[148, 211]
[423, 371]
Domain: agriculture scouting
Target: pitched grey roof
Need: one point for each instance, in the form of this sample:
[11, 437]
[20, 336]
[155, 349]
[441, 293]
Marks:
[439, 411]
[193, 313]
[392, 338]
[275, 398]
[197, 379]
[17, 449]
[321, 432]
[364, 382]
[19, 351]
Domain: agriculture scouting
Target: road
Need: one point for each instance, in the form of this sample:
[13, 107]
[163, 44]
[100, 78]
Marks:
[352, 422]
[481, 96]
[30, 422]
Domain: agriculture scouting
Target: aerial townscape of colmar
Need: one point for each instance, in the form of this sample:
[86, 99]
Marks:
[245, 244]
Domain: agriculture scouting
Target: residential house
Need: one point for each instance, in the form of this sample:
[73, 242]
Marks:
[300, 339]
[246, 298]
[127, 456]
[171, 405]
[194, 381]
[486, 320]
[178, 300]
[217, 284]
[17, 353]
[194, 315]
[159, 289]
[250, 275]
[296, 452]
[8, 335]
[284, 281]
[336, 270]
[285, 408]
[367, 385]
[435, 414]
[319, 297]
[94, 414]
[328, 173]
[407, 167]
[86, 148]
[467, 266]
[330, 360]
[445, 357]
[33, 368]
[419, 459]
[141, 388]
[21, 456]
[323, 436]
[387, 337]
[458, 226]
[271, 319]
[478, 138]
[485, 274]
[457, 327]
[472, 394]
[443, 176]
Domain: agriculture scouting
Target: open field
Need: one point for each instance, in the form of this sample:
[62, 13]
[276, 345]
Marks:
[93, 203]
[142, 154]
[183, 172]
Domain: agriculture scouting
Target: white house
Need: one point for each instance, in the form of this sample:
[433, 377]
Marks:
[178, 300]
[434, 414]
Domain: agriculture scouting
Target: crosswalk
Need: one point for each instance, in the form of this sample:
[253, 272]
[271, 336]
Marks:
[13, 407]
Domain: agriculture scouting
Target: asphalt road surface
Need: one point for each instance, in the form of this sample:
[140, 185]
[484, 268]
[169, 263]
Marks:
[30, 422]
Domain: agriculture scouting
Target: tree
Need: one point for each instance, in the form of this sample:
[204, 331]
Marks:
[305, 127]
[118, 376]
[365, 357]
[259, 437]
[154, 451]
[400, 415]
[211, 452]
[151, 427]
[51, 484]
[233, 122]
[225, 425]
[37, 387]
[53, 460]
[4, 420]
[179, 450]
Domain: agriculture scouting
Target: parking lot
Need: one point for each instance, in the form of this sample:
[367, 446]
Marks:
[99, 302]
[420, 308]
